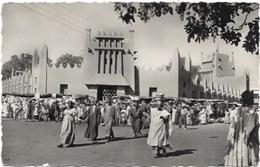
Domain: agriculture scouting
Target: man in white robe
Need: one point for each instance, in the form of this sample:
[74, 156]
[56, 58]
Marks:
[160, 129]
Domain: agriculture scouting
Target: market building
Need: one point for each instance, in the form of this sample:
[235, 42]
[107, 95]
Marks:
[109, 68]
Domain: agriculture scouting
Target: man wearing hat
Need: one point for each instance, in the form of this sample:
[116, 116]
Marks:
[160, 128]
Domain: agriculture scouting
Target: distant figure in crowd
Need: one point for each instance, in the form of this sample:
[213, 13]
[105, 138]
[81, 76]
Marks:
[209, 111]
[93, 121]
[5, 109]
[45, 111]
[203, 116]
[174, 113]
[124, 115]
[82, 106]
[27, 108]
[36, 111]
[160, 128]
[189, 117]
[136, 114]
[109, 118]
[227, 117]
[183, 116]
[55, 110]
[67, 134]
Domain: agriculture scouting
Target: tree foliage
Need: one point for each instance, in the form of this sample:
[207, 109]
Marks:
[67, 58]
[202, 20]
[247, 98]
[17, 63]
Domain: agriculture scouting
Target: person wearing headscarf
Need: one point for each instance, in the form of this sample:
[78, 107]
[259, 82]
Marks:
[109, 118]
[67, 135]
[160, 128]
[93, 121]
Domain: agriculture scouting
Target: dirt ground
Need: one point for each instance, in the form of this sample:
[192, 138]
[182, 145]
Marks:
[35, 143]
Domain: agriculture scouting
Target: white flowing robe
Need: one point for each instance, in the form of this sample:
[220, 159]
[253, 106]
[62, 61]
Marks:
[67, 135]
[159, 132]
[203, 116]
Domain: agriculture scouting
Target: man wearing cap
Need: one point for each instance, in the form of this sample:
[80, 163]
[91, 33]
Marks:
[109, 118]
[160, 128]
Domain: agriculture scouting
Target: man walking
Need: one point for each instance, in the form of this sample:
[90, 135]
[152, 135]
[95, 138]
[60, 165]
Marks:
[182, 120]
[109, 118]
[136, 113]
[93, 122]
[160, 128]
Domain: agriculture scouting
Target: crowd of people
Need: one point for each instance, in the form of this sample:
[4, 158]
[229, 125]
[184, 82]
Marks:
[158, 114]
[52, 109]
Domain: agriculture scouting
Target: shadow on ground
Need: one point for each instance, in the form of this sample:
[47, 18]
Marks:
[181, 152]
[123, 138]
[87, 144]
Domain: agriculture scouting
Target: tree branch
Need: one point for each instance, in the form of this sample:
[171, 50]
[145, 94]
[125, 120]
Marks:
[242, 25]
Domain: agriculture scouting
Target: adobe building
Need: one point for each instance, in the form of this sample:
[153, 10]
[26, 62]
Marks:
[109, 68]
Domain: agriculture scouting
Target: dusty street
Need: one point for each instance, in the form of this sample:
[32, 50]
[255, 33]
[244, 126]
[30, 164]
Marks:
[35, 143]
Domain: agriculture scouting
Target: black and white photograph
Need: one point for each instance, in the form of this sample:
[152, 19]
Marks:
[127, 83]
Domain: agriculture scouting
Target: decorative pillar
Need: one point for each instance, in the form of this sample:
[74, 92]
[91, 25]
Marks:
[108, 56]
[113, 58]
[119, 62]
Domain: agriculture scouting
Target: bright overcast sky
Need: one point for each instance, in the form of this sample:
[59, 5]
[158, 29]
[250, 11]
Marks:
[62, 28]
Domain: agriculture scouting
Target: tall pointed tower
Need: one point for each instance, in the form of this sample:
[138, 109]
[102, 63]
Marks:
[42, 85]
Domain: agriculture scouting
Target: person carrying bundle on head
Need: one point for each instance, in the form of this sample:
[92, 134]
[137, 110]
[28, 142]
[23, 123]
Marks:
[160, 128]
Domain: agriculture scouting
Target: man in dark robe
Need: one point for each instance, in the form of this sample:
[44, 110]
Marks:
[109, 118]
[93, 122]
[136, 114]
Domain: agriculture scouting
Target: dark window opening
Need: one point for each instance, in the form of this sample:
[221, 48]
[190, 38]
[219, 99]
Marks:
[99, 59]
[116, 61]
[105, 62]
[110, 62]
[63, 88]
[152, 91]
[111, 42]
[184, 84]
[99, 43]
[122, 63]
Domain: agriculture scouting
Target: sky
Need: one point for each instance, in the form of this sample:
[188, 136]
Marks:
[61, 26]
